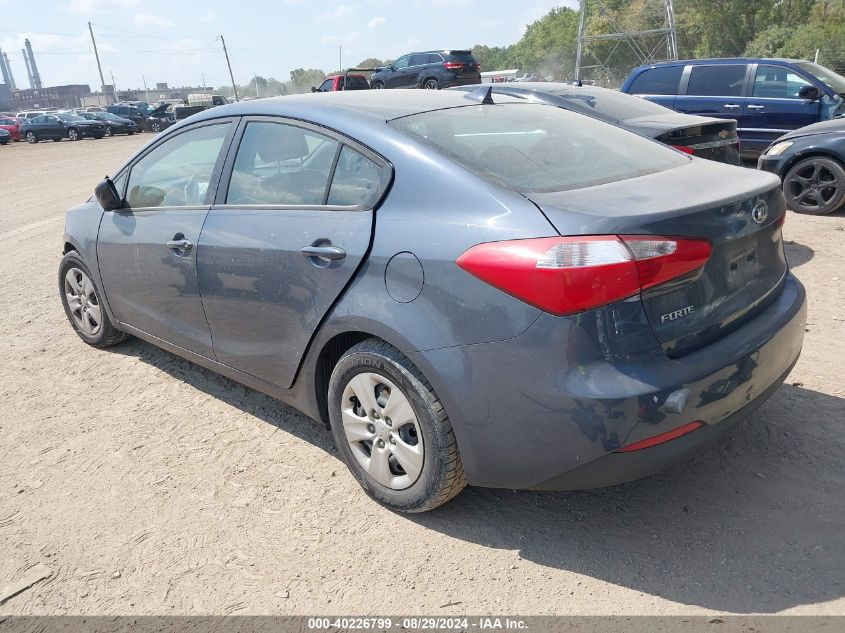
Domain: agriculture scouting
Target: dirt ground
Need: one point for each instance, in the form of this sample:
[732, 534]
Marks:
[148, 485]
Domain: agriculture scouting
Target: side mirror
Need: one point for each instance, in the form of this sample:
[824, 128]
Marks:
[314, 89]
[107, 195]
[809, 92]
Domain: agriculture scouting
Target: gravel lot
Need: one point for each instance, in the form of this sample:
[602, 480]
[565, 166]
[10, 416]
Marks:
[148, 485]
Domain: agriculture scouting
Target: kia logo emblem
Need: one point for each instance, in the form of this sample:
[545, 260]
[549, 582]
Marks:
[760, 212]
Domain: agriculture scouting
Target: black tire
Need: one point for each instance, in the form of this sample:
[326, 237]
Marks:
[377, 85]
[442, 475]
[74, 135]
[109, 132]
[107, 334]
[31, 137]
[431, 84]
[155, 126]
[130, 133]
[815, 186]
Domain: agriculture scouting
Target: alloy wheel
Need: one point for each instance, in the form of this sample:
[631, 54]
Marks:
[72, 134]
[82, 301]
[431, 84]
[382, 430]
[812, 187]
[30, 137]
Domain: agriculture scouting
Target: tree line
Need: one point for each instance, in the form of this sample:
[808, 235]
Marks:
[705, 28]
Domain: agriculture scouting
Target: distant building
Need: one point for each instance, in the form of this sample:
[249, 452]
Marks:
[50, 97]
[6, 102]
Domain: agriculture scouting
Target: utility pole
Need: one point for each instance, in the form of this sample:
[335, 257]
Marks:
[114, 87]
[146, 90]
[255, 80]
[340, 58]
[203, 81]
[229, 64]
[100, 68]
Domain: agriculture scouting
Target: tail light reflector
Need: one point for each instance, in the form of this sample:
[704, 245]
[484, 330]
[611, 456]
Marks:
[663, 437]
[453, 65]
[566, 275]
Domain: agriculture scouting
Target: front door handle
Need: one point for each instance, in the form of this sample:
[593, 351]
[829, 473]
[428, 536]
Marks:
[180, 244]
[731, 106]
[325, 252]
[756, 107]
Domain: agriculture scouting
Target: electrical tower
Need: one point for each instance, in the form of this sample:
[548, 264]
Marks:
[640, 47]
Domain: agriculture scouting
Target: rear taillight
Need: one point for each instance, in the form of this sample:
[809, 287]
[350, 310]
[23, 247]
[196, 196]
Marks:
[453, 65]
[684, 149]
[566, 275]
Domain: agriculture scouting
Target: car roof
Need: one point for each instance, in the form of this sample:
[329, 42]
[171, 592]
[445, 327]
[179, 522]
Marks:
[725, 60]
[364, 105]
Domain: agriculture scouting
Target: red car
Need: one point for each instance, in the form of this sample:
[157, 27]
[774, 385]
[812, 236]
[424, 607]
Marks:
[13, 126]
[334, 83]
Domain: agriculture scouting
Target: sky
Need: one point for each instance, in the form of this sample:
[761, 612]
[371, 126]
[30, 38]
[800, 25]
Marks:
[178, 42]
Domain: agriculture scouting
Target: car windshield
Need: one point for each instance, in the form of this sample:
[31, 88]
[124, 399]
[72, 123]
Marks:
[107, 116]
[537, 148]
[69, 118]
[609, 103]
[827, 76]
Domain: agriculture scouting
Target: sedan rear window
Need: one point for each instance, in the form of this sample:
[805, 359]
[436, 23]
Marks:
[537, 148]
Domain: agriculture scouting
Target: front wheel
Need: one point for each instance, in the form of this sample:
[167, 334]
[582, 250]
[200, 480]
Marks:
[73, 134]
[31, 138]
[377, 85]
[392, 430]
[155, 126]
[109, 132]
[815, 186]
[83, 305]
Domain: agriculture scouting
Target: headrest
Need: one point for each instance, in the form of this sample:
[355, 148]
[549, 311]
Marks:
[281, 142]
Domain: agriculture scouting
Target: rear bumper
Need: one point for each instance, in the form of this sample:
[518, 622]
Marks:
[548, 410]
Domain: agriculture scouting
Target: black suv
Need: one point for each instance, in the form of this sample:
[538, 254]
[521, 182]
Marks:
[431, 69]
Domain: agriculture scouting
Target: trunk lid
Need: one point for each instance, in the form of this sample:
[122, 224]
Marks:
[713, 139]
[703, 199]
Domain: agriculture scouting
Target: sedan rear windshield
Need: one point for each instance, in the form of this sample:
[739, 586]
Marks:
[609, 103]
[537, 148]
[70, 118]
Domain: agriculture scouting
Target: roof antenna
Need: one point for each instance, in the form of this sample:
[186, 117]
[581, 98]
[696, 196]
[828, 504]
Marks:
[484, 95]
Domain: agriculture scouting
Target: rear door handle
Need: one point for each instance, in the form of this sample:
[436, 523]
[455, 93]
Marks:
[756, 107]
[332, 253]
[731, 106]
[180, 244]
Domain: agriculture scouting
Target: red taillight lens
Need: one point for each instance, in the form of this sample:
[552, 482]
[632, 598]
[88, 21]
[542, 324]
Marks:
[453, 65]
[684, 149]
[566, 275]
[663, 437]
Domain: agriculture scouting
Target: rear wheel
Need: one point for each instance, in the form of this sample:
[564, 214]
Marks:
[392, 430]
[31, 137]
[82, 304]
[431, 84]
[377, 85]
[815, 186]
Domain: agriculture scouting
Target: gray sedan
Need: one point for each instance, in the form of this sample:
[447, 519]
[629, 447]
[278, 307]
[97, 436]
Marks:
[465, 288]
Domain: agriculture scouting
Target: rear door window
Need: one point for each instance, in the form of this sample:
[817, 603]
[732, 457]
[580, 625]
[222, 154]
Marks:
[718, 80]
[357, 180]
[419, 60]
[281, 165]
[663, 80]
[435, 58]
[777, 82]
